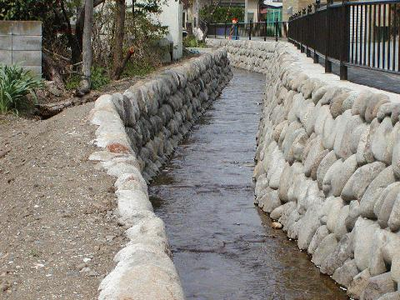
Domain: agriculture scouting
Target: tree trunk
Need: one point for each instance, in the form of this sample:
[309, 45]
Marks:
[51, 71]
[80, 22]
[120, 69]
[119, 36]
[87, 50]
[72, 39]
[205, 32]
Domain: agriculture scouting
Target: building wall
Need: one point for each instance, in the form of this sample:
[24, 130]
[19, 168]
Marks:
[21, 43]
[171, 16]
[252, 7]
[294, 6]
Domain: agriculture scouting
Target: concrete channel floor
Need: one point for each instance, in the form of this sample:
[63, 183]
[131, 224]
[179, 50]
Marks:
[223, 246]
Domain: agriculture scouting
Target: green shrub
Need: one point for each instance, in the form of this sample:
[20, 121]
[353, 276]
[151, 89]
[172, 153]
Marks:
[138, 68]
[99, 78]
[221, 14]
[15, 84]
[191, 41]
[72, 83]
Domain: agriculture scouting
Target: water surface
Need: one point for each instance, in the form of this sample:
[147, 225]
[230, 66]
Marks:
[223, 246]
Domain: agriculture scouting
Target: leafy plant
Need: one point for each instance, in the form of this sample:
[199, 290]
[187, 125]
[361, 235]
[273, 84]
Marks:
[191, 41]
[99, 78]
[15, 84]
[138, 68]
[221, 14]
[72, 82]
[142, 34]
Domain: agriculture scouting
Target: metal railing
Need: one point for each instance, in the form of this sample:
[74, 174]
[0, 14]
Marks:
[249, 30]
[360, 34]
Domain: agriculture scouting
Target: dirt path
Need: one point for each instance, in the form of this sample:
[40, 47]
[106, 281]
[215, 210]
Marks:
[58, 231]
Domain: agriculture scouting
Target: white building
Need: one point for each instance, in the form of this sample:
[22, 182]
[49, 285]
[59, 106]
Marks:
[171, 16]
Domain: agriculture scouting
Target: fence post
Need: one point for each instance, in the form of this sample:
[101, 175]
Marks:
[250, 28]
[236, 29]
[266, 28]
[344, 45]
[315, 56]
[276, 29]
[308, 51]
[225, 30]
[303, 31]
[328, 64]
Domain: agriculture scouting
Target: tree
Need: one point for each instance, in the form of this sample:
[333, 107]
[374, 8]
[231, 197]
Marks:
[58, 35]
[213, 9]
[87, 50]
[118, 37]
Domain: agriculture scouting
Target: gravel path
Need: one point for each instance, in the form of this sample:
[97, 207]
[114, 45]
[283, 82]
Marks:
[58, 231]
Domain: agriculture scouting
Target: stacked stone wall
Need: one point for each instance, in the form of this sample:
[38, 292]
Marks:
[328, 169]
[247, 55]
[139, 131]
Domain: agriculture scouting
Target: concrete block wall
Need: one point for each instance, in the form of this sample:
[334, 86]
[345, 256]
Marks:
[21, 43]
[138, 130]
[328, 169]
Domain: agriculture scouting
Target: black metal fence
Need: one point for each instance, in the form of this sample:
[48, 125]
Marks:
[361, 34]
[250, 30]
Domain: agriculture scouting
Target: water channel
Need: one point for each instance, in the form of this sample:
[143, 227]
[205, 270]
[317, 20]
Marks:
[223, 246]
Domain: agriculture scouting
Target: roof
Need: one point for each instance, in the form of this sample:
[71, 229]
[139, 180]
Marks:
[271, 3]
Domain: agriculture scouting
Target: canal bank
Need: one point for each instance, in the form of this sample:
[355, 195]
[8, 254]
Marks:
[223, 246]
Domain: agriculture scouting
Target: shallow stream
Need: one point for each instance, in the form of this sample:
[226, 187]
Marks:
[223, 245]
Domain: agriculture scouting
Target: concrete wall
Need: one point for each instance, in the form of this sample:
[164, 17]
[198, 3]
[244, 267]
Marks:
[328, 168]
[171, 16]
[138, 131]
[21, 43]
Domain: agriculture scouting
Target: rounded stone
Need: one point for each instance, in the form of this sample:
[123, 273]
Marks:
[324, 166]
[360, 180]
[374, 190]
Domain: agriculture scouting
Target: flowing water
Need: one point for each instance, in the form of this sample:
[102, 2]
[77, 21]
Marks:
[223, 246]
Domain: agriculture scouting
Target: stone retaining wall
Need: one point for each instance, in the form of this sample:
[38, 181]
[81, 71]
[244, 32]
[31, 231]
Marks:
[248, 55]
[139, 131]
[328, 168]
